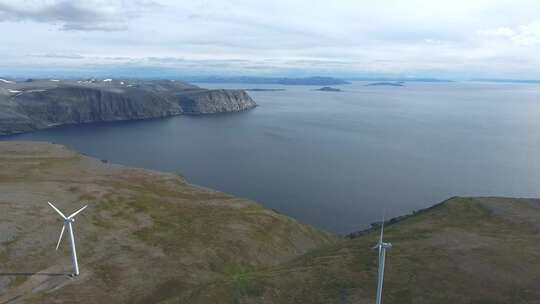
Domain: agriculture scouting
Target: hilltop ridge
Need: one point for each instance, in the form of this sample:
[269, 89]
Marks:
[145, 237]
[151, 237]
[463, 250]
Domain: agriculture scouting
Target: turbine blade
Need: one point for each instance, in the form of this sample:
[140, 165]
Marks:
[60, 238]
[77, 212]
[56, 209]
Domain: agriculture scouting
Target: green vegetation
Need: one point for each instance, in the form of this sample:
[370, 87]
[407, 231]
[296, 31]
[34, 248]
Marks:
[150, 237]
[146, 237]
[17, 281]
[462, 251]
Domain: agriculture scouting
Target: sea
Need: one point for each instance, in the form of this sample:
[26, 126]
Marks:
[340, 160]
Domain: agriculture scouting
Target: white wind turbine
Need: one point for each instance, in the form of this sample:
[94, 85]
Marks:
[68, 221]
[381, 246]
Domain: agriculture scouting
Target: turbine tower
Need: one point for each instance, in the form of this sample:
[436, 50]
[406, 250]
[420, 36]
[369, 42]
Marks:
[68, 222]
[381, 246]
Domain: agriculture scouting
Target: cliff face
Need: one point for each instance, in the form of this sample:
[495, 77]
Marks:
[215, 101]
[79, 105]
[40, 104]
[12, 121]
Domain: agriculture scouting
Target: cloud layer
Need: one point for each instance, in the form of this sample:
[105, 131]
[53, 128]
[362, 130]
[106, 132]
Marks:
[495, 38]
[72, 15]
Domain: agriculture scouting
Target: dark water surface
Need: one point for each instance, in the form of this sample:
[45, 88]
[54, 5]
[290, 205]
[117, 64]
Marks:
[338, 159]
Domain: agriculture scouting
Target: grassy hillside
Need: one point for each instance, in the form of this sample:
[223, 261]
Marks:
[150, 237]
[465, 250]
[146, 236]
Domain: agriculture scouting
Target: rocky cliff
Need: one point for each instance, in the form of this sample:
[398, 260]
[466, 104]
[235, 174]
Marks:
[214, 101]
[31, 105]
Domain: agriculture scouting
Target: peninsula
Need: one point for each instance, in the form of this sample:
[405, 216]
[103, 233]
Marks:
[38, 104]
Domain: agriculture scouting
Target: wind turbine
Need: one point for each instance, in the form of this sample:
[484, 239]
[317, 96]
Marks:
[381, 246]
[68, 222]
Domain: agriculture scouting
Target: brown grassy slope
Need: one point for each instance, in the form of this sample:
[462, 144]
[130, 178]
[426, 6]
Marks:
[466, 250]
[146, 236]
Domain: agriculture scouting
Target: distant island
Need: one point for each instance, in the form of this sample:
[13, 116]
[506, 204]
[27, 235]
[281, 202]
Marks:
[264, 90]
[399, 79]
[531, 81]
[386, 83]
[329, 89]
[316, 80]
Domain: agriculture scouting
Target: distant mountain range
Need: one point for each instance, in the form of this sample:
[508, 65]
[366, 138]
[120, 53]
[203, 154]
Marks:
[316, 80]
[387, 83]
[399, 79]
[507, 80]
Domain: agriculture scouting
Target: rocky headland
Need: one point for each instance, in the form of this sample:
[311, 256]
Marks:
[37, 104]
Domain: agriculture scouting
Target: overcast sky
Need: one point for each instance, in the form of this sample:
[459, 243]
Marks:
[456, 39]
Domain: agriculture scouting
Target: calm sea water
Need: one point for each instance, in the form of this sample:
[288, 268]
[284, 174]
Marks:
[338, 159]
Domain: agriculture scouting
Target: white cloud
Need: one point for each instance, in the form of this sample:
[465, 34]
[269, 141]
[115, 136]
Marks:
[498, 32]
[528, 34]
[342, 36]
[93, 15]
[523, 35]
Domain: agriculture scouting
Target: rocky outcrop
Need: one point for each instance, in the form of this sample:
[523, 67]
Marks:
[215, 101]
[41, 104]
[79, 105]
[11, 121]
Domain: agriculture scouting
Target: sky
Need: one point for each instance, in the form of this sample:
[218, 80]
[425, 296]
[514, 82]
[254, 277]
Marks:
[458, 39]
